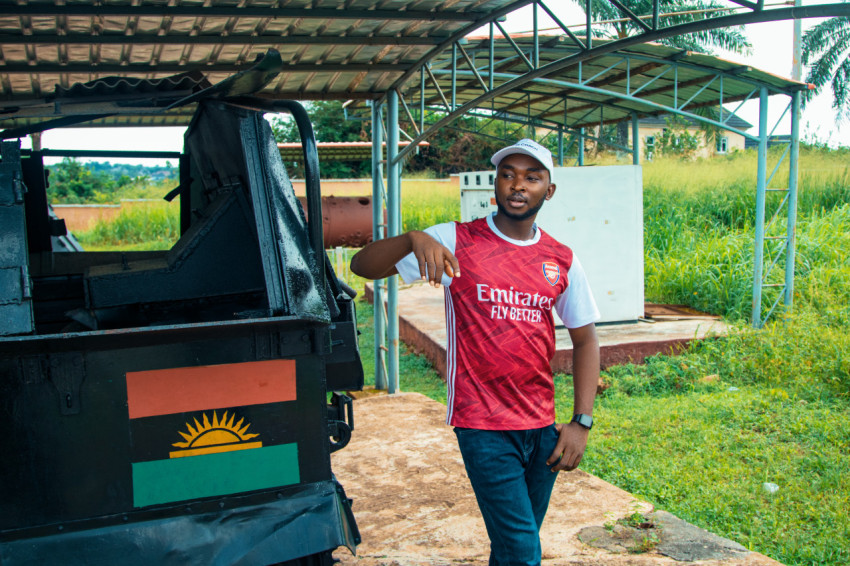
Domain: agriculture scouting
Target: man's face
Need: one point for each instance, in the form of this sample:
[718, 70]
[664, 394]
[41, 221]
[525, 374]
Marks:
[522, 185]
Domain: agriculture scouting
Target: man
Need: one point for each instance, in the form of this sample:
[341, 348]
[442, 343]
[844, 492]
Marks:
[503, 276]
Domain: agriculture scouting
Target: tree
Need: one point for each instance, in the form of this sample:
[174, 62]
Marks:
[452, 150]
[673, 12]
[73, 182]
[329, 125]
[826, 47]
[677, 140]
[455, 150]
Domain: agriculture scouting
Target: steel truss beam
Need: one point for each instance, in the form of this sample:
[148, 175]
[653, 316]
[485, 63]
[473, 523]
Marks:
[168, 68]
[774, 253]
[516, 83]
[379, 202]
[215, 39]
[495, 82]
[570, 92]
[201, 11]
[647, 107]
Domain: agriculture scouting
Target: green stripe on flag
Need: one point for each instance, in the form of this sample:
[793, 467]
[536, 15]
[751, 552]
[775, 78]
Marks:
[208, 475]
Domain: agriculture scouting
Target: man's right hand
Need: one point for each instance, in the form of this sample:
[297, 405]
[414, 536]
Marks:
[377, 259]
[434, 258]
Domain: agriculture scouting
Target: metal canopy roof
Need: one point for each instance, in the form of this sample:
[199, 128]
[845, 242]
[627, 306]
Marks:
[645, 79]
[413, 52]
[357, 49]
[349, 50]
[333, 151]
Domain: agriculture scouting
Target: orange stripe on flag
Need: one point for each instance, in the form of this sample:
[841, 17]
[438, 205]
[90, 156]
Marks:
[182, 390]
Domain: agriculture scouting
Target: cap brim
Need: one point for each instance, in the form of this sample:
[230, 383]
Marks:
[511, 150]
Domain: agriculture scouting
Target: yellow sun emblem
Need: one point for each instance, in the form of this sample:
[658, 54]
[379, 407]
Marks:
[216, 436]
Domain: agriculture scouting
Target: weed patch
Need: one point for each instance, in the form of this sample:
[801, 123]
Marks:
[700, 434]
[152, 226]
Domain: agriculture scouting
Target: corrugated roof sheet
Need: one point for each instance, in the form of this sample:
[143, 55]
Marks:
[648, 79]
[337, 151]
[117, 86]
[329, 50]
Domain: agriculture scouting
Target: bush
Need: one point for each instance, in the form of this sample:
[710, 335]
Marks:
[152, 226]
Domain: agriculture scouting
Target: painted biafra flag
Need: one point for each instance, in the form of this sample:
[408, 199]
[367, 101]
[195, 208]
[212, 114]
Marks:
[207, 431]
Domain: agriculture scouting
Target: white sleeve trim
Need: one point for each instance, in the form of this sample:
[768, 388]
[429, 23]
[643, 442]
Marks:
[576, 306]
[534, 239]
[446, 234]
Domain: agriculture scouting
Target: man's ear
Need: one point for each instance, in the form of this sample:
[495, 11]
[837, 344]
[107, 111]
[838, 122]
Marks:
[550, 192]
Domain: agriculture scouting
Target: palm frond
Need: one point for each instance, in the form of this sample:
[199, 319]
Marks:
[820, 37]
[731, 39]
[827, 60]
[841, 89]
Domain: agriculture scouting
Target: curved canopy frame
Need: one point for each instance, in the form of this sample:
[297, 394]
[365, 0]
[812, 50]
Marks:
[529, 61]
[406, 56]
[568, 83]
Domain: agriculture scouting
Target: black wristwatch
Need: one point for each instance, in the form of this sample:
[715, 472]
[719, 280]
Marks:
[585, 421]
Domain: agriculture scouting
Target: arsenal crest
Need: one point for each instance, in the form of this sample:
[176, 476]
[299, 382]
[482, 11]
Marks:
[551, 272]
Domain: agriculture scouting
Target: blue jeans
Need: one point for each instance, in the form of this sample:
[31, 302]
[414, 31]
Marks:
[512, 483]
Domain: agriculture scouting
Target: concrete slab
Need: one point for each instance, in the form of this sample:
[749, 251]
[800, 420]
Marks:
[414, 505]
[665, 329]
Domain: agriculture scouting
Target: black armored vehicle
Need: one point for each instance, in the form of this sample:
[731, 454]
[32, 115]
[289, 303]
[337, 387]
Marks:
[178, 406]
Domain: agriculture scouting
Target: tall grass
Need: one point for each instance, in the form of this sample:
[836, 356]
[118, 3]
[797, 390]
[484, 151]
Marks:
[156, 225]
[699, 234]
[700, 433]
[148, 226]
[824, 172]
[754, 406]
[425, 204]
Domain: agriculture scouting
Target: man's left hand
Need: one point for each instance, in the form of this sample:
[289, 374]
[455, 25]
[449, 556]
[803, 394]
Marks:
[572, 441]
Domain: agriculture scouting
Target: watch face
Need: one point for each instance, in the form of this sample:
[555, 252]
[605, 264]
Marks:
[584, 420]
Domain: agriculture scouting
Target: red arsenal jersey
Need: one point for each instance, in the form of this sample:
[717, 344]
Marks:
[501, 333]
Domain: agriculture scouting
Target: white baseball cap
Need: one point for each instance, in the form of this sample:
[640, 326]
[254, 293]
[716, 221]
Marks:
[527, 147]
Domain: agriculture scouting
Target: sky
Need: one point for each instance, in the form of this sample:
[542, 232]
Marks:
[772, 52]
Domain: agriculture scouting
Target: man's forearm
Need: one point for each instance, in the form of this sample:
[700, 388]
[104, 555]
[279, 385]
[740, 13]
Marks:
[585, 371]
[377, 259]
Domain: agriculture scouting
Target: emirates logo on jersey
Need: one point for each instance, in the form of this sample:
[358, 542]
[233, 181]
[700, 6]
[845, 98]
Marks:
[551, 272]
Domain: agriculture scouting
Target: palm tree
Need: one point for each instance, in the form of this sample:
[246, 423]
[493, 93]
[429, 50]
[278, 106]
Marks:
[826, 47]
[673, 12]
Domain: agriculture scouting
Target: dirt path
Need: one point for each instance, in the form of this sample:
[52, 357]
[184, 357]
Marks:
[414, 506]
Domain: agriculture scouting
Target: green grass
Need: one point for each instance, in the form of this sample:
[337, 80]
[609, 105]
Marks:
[705, 455]
[425, 204]
[699, 232]
[419, 374]
[671, 430]
[156, 226]
[700, 433]
[149, 226]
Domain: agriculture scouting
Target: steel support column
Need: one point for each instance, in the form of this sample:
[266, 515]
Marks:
[394, 229]
[378, 234]
[793, 170]
[581, 147]
[761, 186]
[793, 173]
[560, 147]
[635, 140]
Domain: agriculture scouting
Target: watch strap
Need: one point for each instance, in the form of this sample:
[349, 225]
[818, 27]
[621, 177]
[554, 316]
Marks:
[583, 420]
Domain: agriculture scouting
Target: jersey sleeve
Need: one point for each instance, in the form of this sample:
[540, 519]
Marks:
[446, 234]
[576, 305]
